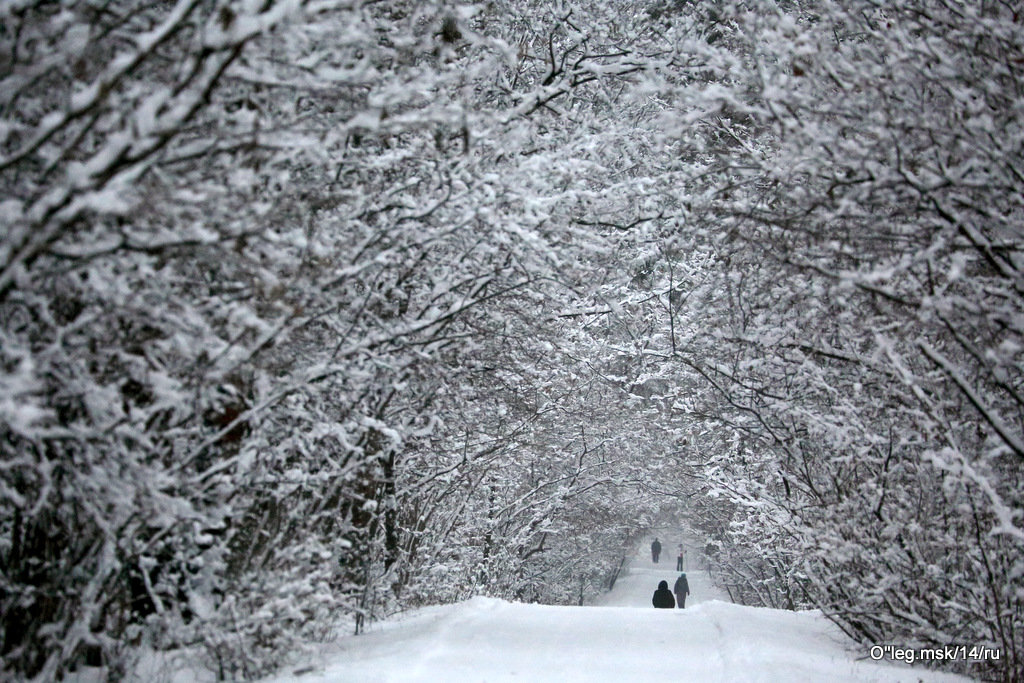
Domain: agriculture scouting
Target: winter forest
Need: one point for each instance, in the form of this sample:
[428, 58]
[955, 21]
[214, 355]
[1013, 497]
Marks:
[315, 310]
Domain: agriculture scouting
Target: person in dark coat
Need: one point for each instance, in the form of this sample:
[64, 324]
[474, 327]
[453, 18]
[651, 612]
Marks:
[681, 589]
[655, 551]
[663, 597]
[681, 560]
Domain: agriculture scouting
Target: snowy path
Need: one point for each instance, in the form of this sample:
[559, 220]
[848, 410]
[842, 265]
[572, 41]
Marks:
[623, 639]
[636, 584]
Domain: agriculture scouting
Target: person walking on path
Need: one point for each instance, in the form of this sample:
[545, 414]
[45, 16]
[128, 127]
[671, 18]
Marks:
[663, 597]
[681, 560]
[681, 589]
[655, 550]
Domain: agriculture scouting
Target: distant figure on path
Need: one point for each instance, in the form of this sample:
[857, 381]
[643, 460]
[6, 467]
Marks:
[709, 554]
[681, 560]
[681, 589]
[663, 597]
[655, 550]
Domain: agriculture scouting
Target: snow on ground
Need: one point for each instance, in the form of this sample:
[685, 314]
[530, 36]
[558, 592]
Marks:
[623, 638]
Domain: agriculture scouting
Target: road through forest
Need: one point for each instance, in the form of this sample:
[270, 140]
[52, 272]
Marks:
[620, 638]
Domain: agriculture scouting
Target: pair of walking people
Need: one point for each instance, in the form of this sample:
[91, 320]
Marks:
[663, 596]
[656, 553]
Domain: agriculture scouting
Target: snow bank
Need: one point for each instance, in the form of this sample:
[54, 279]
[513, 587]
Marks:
[485, 639]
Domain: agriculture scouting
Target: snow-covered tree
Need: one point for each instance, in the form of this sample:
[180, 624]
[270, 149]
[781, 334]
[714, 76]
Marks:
[310, 311]
[868, 243]
[252, 254]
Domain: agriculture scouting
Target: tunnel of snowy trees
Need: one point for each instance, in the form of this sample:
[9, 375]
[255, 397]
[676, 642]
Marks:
[311, 310]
